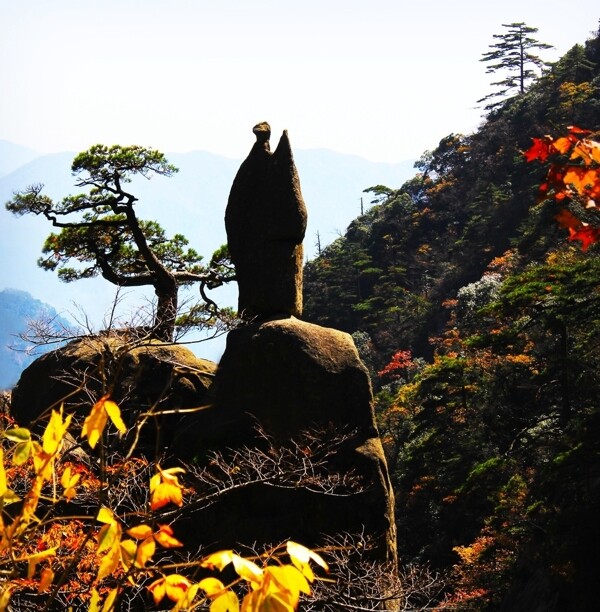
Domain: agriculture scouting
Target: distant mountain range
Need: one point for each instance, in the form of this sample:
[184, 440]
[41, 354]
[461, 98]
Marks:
[17, 308]
[192, 203]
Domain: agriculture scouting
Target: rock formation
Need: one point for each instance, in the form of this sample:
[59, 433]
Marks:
[265, 222]
[139, 376]
[282, 376]
[289, 376]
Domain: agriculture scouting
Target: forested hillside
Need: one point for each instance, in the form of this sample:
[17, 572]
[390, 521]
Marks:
[480, 322]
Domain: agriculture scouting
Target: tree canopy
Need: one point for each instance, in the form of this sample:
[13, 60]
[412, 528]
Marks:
[513, 55]
[101, 233]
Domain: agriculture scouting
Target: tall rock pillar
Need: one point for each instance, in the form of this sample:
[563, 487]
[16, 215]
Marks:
[288, 376]
[265, 222]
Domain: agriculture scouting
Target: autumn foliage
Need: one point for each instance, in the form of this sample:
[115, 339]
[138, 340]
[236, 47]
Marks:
[93, 559]
[573, 179]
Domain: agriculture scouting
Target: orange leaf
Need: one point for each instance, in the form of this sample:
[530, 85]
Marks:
[141, 532]
[46, 578]
[587, 234]
[567, 219]
[165, 488]
[164, 537]
[562, 145]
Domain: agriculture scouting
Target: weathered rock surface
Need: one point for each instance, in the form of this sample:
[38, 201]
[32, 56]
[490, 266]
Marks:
[265, 222]
[138, 377]
[290, 376]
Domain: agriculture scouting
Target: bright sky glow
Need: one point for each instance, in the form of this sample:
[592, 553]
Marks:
[382, 79]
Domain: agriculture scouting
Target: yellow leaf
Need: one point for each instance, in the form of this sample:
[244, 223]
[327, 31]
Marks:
[300, 556]
[22, 452]
[166, 493]
[155, 481]
[128, 553]
[114, 414]
[68, 483]
[109, 536]
[166, 488]
[94, 602]
[211, 586]
[18, 434]
[248, 571]
[187, 600]
[106, 515]
[5, 597]
[290, 579]
[227, 602]
[158, 589]
[55, 432]
[95, 422]
[217, 560]
[109, 562]
[24, 445]
[46, 578]
[35, 558]
[145, 551]
[109, 602]
[141, 532]
[43, 462]
[259, 601]
[176, 586]
[3, 483]
[277, 602]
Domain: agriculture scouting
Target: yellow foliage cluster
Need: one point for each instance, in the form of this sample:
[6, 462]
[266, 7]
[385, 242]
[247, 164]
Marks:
[113, 556]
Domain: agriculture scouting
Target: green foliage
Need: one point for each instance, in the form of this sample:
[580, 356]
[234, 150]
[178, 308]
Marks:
[493, 443]
[513, 55]
[101, 233]
[398, 265]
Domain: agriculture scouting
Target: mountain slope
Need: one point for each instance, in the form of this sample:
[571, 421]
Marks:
[17, 309]
[475, 196]
[12, 156]
[488, 408]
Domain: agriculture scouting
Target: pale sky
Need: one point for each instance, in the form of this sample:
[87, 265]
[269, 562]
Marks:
[381, 79]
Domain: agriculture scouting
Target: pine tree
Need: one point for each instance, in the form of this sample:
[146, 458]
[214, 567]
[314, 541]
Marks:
[513, 55]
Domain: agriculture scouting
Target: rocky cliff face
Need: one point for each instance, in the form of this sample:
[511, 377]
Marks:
[141, 377]
[287, 377]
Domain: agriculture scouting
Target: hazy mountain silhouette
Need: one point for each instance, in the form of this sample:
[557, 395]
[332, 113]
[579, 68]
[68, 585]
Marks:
[192, 203]
[17, 308]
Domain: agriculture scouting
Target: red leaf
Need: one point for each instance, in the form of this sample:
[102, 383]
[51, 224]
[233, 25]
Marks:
[587, 234]
[540, 149]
